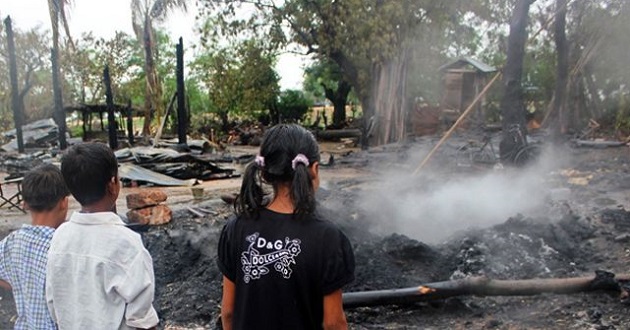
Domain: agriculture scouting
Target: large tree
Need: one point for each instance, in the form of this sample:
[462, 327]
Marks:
[144, 14]
[240, 81]
[562, 67]
[325, 77]
[368, 40]
[33, 68]
[83, 67]
[512, 103]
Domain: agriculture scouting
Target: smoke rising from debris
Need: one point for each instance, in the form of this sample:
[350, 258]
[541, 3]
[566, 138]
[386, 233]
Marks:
[437, 204]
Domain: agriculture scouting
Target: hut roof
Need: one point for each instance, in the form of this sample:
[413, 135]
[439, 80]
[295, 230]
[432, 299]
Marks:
[464, 61]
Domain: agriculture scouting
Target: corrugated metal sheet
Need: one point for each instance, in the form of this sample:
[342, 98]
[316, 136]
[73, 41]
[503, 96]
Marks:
[137, 173]
[483, 67]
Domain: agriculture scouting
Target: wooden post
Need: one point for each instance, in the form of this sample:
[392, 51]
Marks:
[60, 115]
[130, 123]
[182, 123]
[111, 119]
[85, 116]
[15, 98]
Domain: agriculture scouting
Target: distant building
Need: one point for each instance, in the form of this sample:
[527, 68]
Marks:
[463, 80]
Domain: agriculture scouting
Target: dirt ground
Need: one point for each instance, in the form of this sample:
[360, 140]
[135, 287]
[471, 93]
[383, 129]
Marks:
[563, 217]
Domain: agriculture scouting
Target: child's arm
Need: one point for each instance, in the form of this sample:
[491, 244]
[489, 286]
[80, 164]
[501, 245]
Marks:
[227, 303]
[334, 317]
[136, 286]
[3, 271]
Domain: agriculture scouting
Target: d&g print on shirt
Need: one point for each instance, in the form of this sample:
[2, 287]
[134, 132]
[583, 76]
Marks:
[277, 253]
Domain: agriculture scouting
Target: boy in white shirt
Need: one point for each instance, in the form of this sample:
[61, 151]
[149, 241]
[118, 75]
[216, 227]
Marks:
[99, 275]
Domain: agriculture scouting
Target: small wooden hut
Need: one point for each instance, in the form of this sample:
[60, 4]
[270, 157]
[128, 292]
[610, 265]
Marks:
[463, 79]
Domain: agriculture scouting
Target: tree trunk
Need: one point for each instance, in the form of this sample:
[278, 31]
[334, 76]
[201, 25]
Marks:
[363, 92]
[150, 106]
[339, 99]
[17, 104]
[59, 114]
[512, 104]
[560, 120]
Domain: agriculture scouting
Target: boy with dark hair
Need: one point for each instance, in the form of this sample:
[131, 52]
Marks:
[99, 275]
[23, 253]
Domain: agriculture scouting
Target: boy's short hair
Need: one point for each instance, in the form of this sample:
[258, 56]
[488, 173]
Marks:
[87, 168]
[43, 187]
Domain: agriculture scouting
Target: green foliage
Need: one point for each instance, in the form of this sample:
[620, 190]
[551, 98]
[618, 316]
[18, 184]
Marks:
[34, 78]
[293, 105]
[319, 75]
[84, 67]
[361, 37]
[240, 80]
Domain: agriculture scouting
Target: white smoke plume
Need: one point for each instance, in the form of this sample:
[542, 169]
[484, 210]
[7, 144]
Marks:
[438, 203]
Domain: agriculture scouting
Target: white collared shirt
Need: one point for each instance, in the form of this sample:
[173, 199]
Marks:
[99, 275]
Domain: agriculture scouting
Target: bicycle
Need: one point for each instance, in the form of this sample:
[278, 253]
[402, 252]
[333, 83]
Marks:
[477, 152]
[521, 152]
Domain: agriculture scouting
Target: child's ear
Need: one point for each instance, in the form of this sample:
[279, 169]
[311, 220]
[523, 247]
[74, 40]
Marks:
[63, 203]
[314, 169]
[113, 186]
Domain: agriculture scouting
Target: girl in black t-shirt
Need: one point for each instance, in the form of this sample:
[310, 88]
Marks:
[283, 265]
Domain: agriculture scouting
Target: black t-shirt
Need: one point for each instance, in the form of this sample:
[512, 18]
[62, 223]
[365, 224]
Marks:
[282, 268]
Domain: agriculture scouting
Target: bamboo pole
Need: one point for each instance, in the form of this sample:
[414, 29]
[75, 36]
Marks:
[458, 122]
[484, 286]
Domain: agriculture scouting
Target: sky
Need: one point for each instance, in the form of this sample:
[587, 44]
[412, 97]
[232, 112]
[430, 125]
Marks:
[104, 18]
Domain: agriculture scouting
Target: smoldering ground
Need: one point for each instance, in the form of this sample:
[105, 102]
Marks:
[188, 282]
[445, 198]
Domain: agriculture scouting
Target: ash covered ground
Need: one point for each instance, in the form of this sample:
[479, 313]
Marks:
[564, 217]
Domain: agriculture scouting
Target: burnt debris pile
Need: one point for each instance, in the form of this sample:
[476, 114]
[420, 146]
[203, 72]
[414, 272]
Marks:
[189, 282]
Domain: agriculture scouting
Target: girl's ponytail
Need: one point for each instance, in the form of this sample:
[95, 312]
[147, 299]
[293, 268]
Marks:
[287, 155]
[302, 192]
[250, 199]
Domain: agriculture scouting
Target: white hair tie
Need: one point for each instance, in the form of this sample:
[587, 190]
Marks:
[260, 161]
[299, 158]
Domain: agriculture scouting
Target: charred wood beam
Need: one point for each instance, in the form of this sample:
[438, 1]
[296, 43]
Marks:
[484, 286]
[15, 95]
[130, 123]
[111, 119]
[182, 124]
